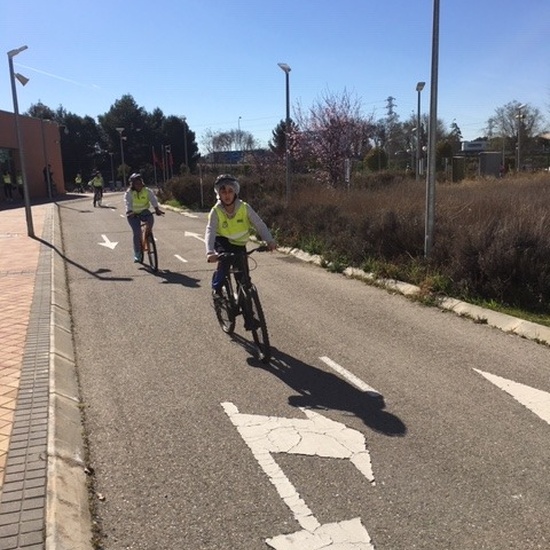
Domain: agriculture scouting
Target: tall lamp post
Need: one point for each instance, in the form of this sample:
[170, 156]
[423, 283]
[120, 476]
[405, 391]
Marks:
[112, 170]
[23, 80]
[286, 70]
[519, 116]
[184, 120]
[419, 88]
[120, 130]
[432, 137]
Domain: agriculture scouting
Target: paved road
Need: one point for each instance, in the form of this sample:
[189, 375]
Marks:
[195, 444]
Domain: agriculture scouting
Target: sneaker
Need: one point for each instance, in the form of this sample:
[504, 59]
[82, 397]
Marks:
[138, 258]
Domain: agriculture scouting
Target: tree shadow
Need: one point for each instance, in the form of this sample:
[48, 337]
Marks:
[319, 389]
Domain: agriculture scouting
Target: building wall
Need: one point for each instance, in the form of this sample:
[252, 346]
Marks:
[40, 144]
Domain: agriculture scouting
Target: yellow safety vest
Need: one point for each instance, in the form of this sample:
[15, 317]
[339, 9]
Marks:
[140, 201]
[237, 228]
[7, 178]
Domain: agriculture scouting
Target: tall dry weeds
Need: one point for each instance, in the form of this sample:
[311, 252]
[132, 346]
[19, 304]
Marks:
[491, 239]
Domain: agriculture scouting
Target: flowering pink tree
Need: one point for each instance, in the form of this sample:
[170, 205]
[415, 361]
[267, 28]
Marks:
[332, 131]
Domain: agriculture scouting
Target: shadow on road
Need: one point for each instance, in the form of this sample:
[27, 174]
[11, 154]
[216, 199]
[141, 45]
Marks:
[175, 278]
[319, 389]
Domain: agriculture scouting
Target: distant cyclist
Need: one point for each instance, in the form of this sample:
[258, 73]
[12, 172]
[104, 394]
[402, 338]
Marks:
[138, 199]
[96, 183]
[229, 226]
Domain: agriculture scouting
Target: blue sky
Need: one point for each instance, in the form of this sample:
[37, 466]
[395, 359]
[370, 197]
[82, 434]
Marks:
[215, 61]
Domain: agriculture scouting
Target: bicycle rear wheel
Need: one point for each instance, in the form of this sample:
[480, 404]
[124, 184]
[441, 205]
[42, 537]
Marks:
[259, 326]
[225, 307]
[151, 251]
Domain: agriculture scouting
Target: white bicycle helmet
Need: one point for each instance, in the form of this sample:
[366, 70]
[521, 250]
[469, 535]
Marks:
[227, 180]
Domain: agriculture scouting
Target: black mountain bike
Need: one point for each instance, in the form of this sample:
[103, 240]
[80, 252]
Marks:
[239, 296]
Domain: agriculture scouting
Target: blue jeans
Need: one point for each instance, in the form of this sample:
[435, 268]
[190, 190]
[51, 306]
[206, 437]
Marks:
[135, 224]
[222, 244]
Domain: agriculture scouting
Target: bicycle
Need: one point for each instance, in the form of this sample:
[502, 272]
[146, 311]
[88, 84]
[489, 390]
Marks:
[148, 244]
[239, 296]
[98, 196]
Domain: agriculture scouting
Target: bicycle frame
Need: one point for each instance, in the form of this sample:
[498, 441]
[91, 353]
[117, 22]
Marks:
[240, 296]
[148, 245]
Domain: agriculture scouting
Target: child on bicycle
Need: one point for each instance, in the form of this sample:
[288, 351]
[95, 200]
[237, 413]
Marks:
[138, 199]
[96, 183]
[230, 222]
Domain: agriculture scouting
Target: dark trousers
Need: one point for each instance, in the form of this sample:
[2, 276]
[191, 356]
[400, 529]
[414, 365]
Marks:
[221, 245]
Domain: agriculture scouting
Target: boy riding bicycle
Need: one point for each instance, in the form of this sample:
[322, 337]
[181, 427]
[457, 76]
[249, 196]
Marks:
[230, 222]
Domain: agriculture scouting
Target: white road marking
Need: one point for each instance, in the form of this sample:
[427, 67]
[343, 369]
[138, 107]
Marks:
[537, 401]
[194, 235]
[180, 258]
[107, 243]
[350, 377]
[314, 436]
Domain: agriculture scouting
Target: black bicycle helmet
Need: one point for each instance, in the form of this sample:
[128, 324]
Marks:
[227, 180]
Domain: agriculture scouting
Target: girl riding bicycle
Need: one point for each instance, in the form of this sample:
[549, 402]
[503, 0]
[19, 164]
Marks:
[230, 222]
[138, 199]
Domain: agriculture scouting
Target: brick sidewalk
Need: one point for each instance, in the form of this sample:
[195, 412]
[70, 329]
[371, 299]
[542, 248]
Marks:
[18, 267]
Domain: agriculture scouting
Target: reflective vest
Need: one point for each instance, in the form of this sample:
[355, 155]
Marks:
[7, 178]
[97, 181]
[140, 201]
[78, 180]
[237, 228]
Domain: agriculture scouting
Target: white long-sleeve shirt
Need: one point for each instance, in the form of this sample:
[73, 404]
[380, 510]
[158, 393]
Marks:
[129, 200]
[212, 225]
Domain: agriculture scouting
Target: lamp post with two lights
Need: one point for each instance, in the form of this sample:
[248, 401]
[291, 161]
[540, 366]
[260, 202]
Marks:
[23, 80]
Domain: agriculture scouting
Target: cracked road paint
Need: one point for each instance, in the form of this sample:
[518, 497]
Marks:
[314, 436]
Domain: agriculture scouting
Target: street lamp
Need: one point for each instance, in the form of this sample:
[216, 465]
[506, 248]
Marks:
[120, 130]
[112, 171]
[184, 119]
[419, 88]
[23, 80]
[432, 137]
[520, 116]
[286, 70]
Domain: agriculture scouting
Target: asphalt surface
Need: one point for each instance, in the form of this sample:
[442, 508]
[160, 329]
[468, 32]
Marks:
[154, 369]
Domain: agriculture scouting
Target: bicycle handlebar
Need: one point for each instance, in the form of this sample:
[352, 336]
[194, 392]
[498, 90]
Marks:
[222, 255]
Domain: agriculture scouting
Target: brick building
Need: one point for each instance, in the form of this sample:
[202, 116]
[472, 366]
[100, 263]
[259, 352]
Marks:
[41, 146]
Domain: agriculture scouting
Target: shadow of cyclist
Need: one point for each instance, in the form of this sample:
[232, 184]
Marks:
[319, 389]
[175, 278]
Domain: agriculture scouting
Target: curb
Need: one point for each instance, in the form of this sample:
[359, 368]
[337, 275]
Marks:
[68, 516]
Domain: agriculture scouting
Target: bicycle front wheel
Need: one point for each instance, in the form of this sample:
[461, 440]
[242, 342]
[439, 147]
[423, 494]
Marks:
[151, 251]
[225, 307]
[259, 326]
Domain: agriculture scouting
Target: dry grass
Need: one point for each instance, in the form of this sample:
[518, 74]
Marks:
[491, 241]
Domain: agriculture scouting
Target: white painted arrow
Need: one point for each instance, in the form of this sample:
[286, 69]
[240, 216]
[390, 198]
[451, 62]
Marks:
[314, 436]
[194, 235]
[106, 242]
[535, 400]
